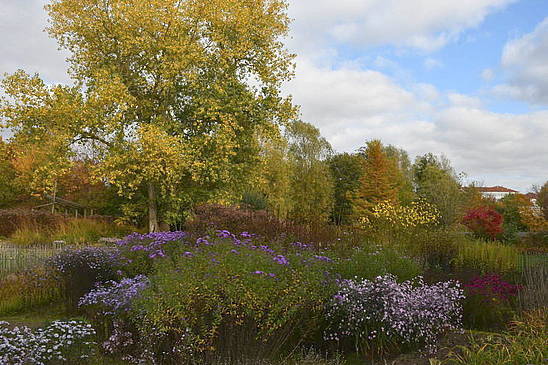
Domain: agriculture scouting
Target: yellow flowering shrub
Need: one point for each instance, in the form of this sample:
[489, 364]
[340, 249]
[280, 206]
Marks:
[418, 213]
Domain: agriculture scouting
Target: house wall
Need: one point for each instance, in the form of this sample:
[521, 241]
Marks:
[497, 195]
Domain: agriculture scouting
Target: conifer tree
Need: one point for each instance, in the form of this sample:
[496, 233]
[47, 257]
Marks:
[378, 182]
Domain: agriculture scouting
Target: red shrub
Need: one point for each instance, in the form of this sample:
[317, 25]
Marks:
[484, 222]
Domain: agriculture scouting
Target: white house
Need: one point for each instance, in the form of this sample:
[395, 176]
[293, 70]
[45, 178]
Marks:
[495, 192]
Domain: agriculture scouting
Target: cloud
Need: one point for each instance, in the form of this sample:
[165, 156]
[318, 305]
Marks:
[421, 24]
[432, 63]
[25, 45]
[525, 60]
[351, 105]
[487, 74]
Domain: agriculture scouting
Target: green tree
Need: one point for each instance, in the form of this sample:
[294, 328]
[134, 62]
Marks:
[542, 199]
[346, 170]
[167, 94]
[273, 176]
[10, 190]
[404, 175]
[311, 183]
[379, 181]
[437, 183]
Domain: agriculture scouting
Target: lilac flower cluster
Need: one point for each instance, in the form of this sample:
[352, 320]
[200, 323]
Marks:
[96, 259]
[58, 342]
[411, 312]
[281, 259]
[258, 272]
[151, 242]
[300, 245]
[323, 258]
[115, 297]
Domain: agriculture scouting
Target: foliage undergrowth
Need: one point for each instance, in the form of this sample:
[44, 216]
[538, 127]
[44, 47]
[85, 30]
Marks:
[526, 342]
[75, 231]
[26, 290]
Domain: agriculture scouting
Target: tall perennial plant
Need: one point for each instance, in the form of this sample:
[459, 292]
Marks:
[382, 312]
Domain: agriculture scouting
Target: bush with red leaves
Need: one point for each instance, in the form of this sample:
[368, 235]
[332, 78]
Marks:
[485, 222]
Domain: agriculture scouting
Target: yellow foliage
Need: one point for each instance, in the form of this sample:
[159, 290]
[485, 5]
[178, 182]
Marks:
[533, 219]
[418, 213]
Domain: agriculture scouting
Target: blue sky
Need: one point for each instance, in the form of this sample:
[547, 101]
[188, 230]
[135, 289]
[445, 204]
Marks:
[463, 78]
[466, 78]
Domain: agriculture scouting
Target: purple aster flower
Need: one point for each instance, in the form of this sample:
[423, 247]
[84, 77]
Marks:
[323, 258]
[281, 259]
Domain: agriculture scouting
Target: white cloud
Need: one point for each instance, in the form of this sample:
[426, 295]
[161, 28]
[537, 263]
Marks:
[432, 63]
[352, 105]
[422, 24]
[525, 60]
[24, 43]
[462, 100]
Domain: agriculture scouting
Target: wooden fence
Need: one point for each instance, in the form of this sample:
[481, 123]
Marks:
[15, 258]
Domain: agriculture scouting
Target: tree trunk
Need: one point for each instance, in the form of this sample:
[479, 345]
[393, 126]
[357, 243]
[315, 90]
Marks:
[152, 209]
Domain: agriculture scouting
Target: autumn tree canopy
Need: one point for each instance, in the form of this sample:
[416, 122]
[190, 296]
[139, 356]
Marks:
[168, 94]
[378, 182]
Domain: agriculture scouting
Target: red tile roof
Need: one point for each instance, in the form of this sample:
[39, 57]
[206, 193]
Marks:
[495, 189]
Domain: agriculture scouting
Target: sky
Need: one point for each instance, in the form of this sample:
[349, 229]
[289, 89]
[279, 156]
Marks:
[467, 78]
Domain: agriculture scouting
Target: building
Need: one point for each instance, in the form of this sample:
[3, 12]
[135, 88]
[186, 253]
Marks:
[495, 192]
[532, 197]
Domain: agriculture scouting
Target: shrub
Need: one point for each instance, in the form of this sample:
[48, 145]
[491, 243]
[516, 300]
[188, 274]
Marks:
[60, 342]
[108, 305]
[489, 301]
[393, 224]
[378, 313]
[13, 219]
[232, 297]
[368, 263]
[79, 270]
[526, 342]
[208, 218]
[140, 250]
[436, 249]
[485, 222]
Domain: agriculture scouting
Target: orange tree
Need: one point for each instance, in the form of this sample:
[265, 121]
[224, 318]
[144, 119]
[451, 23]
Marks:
[378, 182]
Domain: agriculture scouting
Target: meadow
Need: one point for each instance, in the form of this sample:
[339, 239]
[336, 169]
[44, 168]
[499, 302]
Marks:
[242, 287]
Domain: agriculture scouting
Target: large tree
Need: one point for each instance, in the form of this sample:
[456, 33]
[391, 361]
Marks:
[379, 181]
[542, 199]
[346, 170]
[437, 183]
[168, 94]
[311, 180]
[404, 174]
[273, 177]
[9, 188]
